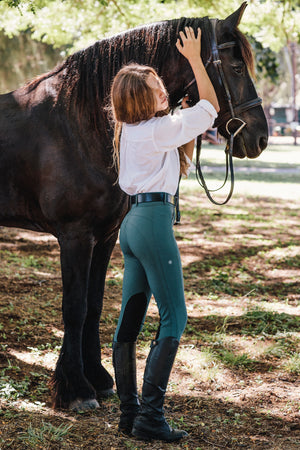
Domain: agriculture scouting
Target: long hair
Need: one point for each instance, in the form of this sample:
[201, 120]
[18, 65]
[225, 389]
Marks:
[132, 100]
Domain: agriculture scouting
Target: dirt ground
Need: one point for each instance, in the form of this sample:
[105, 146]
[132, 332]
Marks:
[234, 385]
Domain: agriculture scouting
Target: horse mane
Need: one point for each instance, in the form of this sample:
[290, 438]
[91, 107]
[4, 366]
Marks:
[87, 74]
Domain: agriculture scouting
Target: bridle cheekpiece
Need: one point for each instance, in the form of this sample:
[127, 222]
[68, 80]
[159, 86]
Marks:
[233, 124]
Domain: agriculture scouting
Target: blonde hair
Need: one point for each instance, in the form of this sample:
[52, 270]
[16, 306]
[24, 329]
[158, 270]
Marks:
[132, 100]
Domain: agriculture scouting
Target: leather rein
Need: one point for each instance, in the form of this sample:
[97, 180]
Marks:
[234, 124]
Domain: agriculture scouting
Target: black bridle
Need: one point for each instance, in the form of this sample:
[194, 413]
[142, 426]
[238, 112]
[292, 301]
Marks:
[233, 123]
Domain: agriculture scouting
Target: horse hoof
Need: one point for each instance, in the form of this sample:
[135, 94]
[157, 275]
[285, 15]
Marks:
[106, 393]
[83, 405]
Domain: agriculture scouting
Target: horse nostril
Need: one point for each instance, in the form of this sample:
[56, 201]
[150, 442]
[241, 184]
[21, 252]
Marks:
[263, 142]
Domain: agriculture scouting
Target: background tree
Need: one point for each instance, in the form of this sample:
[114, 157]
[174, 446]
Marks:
[77, 23]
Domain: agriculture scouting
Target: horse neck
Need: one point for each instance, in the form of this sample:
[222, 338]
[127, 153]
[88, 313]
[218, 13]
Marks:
[152, 45]
[89, 73]
[148, 45]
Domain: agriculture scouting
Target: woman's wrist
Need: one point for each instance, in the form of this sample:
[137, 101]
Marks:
[197, 65]
[196, 61]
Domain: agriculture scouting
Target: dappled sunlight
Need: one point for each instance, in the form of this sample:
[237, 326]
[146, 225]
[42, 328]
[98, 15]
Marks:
[284, 275]
[33, 236]
[281, 254]
[36, 357]
[57, 332]
[35, 407]
[25, 405]
[225, 306]
[260, 393]
[197, 366]
[237, 368]
[188, 259]
[275, 191]
[287, 307]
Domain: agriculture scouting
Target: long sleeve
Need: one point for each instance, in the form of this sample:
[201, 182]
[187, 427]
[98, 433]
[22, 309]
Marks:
[186, 124]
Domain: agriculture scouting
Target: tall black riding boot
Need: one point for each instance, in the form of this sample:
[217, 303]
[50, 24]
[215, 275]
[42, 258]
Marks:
[124, 361]
[150, 422]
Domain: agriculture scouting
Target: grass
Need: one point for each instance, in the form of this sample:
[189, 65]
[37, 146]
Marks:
[258, 322]
[292, 365]
[17, 265]
[234, 381]
[274, 174]
[43, 436]
[262, 241]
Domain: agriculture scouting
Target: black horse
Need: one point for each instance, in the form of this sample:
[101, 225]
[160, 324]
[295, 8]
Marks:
[57, 176]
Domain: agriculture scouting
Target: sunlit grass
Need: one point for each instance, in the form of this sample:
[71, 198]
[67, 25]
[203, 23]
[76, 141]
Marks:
[200, 364]
[292, 365]
[274, 174]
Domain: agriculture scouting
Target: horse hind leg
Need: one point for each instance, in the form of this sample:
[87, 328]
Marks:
[71, 388]
[91, 348]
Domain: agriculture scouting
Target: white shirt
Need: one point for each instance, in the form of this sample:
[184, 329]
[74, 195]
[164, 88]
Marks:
[149, 159]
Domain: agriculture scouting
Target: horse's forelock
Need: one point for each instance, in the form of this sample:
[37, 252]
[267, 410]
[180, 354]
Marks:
[246, 51]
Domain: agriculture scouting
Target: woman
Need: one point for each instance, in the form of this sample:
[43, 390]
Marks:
[149, 164]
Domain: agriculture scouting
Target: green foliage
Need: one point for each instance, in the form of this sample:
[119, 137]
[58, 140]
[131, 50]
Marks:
[149, 328]
[71, 25]
[274, 23]
[267, 62]
[269, 322]
[12, 260]
[285, 345]
[75, 24]
[11, 389]
[231, 359]
[22, 58]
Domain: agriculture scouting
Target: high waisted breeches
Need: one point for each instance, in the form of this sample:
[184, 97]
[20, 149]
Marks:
[152, 266]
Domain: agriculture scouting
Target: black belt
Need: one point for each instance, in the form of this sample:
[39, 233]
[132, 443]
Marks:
[152, 197]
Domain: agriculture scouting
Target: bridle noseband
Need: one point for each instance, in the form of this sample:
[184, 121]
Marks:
[233, 123]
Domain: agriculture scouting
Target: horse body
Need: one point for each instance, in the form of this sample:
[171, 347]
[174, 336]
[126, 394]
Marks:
[55, 179]
[57, 176]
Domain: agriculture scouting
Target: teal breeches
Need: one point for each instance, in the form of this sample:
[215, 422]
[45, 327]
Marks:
[152, 266]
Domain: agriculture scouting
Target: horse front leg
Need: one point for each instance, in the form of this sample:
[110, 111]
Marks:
[93, 369]
[72, 389]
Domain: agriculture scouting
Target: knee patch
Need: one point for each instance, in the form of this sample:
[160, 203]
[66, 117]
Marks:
[132, 318]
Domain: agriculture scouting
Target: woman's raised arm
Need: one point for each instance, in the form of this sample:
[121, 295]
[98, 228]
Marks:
[191, 50]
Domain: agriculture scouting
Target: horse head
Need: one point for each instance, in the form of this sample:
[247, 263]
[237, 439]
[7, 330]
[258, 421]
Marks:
[230, 64]
[238, 66]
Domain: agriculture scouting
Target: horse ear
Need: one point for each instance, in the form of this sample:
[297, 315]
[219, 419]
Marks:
[232, 21]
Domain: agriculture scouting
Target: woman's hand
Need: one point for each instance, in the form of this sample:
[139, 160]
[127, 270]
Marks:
[191, 50]
[191, 45]
[184, 102]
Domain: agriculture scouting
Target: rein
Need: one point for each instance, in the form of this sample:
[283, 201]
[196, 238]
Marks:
[233, 124]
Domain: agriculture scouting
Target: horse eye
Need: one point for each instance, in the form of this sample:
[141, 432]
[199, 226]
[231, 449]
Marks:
[239, 69]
